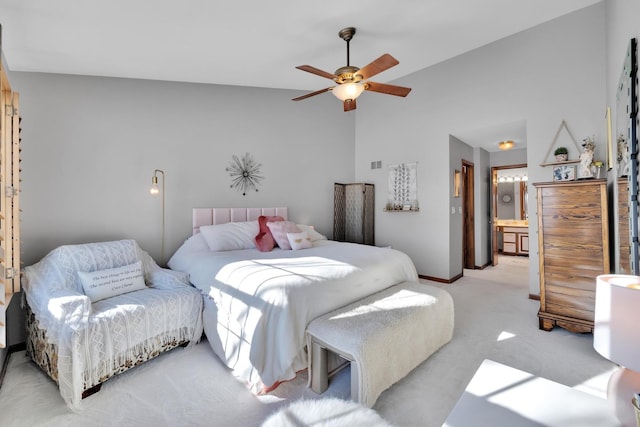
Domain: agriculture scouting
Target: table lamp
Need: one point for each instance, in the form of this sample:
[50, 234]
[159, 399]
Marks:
[616, 336]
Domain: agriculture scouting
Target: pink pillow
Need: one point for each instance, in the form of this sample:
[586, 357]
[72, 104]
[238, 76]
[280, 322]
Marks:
[264, 239]
[279, 232]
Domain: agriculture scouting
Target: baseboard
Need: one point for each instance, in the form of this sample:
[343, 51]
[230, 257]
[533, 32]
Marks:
[482, 267]
[11, 349]
[440, 280]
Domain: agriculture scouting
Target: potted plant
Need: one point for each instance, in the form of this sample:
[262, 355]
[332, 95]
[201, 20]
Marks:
[561, 153]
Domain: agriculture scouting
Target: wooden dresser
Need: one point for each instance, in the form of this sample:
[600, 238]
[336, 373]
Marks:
[573, 248]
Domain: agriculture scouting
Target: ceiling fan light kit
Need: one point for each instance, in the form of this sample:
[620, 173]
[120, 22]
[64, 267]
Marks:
[348, 91]
[351, 80]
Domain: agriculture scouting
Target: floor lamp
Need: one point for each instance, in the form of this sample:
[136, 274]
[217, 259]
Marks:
[616, 336]
[154, 190]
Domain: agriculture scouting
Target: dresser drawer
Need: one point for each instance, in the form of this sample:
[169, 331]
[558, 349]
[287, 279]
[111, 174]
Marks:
[509, 247]
[509, 237]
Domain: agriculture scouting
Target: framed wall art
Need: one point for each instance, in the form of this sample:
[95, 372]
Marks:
[403, 188]
[564, 173]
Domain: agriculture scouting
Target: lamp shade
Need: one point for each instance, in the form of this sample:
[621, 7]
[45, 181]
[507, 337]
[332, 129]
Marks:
[616, 333]
[347, 91]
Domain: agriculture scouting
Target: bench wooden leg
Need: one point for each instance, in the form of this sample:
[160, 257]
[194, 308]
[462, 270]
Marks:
[319, 369]
[355, 382]
[93, 390]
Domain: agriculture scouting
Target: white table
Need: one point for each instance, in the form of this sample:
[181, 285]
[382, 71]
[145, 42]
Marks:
[499, 395]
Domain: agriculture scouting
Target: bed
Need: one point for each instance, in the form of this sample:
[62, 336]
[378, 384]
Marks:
[258, 304]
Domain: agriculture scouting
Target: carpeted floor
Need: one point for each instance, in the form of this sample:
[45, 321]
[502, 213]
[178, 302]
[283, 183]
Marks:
[190, 387]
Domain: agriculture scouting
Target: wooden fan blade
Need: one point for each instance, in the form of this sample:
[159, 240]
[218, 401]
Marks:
[385, 62]
[316, 71]
[318, 92]
[349, 104]
[388, 89]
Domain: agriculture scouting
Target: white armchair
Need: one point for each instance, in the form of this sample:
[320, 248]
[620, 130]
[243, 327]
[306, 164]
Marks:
[79, 343]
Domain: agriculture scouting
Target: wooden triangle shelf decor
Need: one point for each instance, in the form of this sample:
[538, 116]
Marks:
[564, 126]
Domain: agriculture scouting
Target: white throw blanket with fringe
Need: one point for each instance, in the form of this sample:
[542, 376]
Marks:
[92, 339]
[387, 334]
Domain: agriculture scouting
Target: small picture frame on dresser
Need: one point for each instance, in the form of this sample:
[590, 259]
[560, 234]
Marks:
[564, 173]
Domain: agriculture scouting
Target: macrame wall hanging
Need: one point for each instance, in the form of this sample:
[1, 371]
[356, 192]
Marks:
[403, 188]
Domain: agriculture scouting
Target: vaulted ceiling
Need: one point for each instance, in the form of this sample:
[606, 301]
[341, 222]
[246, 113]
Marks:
[259, 43]
[253, 43]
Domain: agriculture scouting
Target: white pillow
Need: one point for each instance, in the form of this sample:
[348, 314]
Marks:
[103, 284]
[193, 244]
[313, 234]
[299, 240]
[231, 236]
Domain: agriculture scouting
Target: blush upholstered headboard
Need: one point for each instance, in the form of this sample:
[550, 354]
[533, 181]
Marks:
[214, 216]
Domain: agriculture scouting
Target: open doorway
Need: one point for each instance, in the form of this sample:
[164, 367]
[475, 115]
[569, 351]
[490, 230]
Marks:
[509, 207]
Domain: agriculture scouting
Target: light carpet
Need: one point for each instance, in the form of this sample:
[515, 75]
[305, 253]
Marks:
[494, 319]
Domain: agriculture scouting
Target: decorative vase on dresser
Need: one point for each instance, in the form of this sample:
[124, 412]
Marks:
[573, 249]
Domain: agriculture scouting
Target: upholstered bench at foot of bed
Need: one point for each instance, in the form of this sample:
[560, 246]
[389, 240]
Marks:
[384, 336]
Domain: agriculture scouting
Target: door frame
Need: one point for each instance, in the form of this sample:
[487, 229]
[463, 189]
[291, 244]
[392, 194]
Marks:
[494, 207]
[468, 216]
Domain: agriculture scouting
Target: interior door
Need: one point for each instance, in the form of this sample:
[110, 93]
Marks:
[468, 232]
[495, 216]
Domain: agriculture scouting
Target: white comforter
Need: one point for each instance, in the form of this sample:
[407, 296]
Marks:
[266, 299]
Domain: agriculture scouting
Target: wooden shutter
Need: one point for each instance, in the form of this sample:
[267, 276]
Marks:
[9, 198]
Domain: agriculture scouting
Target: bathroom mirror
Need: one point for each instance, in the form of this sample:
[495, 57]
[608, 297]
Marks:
[512, 194]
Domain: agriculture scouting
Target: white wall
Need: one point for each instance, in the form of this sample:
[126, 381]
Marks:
[458, 151]
[90, 146]
[507, 158]
[550, 73]
[482, 209]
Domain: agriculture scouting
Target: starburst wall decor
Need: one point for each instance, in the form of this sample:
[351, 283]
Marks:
[244, 173]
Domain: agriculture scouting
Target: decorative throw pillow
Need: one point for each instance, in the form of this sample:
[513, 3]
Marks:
[264, 240]
[231, 236]
[313, 234]
[103, 284]
[299, 240]
[279, 232]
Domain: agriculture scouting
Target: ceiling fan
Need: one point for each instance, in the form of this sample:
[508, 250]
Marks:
[352, 81]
